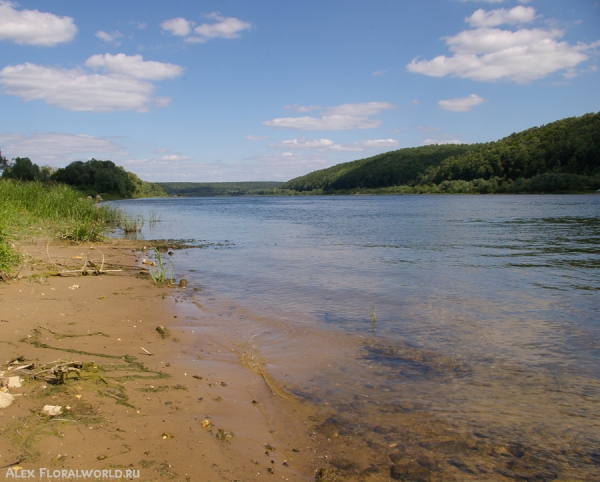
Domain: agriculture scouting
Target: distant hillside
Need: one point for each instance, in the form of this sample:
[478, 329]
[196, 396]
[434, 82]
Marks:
[561, 156]
[389, 169]
[198, 189]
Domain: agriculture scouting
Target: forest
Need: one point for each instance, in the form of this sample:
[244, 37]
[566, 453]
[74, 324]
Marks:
[563, 156]
[200, 189]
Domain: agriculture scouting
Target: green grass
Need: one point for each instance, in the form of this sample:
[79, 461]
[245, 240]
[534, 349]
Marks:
[373, 317]
[131, 225]
[163, 273]
[32, 208]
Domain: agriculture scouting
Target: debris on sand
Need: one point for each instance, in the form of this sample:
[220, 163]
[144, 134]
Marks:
[52, 410]
[6, 399]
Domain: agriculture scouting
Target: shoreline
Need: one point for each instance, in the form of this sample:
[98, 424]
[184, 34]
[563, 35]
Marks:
[189, 410]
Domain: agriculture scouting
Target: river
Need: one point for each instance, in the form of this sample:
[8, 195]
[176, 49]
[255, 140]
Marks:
[455, 336]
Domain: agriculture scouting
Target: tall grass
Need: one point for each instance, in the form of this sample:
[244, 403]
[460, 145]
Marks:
[154, 218]
[59, 210]
[130, 225]
[163, 273]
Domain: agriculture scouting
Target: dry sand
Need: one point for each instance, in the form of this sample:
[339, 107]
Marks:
[169, 415]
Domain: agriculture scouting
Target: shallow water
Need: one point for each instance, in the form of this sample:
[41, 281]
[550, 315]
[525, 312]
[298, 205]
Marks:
[487, 332]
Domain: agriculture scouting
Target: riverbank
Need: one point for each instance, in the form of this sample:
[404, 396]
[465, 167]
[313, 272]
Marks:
[171, 405]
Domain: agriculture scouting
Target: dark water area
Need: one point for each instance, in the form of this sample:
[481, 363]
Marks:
[484, 359]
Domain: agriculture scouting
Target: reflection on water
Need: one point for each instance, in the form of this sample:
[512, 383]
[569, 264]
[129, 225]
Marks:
[484, 363]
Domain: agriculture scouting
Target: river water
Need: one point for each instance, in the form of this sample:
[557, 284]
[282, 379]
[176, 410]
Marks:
[455, 337]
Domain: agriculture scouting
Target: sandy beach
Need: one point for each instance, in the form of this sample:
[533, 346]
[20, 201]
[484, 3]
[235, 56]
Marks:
[134, 402]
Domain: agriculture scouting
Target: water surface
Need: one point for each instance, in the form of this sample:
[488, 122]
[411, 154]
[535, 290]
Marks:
[487, 332]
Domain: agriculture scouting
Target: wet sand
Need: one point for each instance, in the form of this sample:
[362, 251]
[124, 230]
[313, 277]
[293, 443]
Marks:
[189, 411]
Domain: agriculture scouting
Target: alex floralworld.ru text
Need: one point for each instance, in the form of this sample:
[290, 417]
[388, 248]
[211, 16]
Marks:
[43, 473]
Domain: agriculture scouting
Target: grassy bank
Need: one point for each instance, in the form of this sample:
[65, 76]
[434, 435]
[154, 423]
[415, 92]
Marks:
[58, 211]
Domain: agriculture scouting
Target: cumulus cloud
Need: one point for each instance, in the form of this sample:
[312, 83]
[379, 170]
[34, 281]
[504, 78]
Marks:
[125, 87]
[514, 16]
[111, 38]
[57, 148]
[32, 27]
[490, 54]
[222, 27]
[178, 26]
[462, 104]
[342, 117]
[255, 138]
[327, 145]
[134, 66]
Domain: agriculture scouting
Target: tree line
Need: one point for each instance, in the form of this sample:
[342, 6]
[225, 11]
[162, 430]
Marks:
[92, 177]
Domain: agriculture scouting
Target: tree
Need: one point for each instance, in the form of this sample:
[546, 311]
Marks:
[4, 164]
[22, 169]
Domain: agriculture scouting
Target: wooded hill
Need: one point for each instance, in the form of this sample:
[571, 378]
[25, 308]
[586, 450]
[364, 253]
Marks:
[196, 189]
[561, 156]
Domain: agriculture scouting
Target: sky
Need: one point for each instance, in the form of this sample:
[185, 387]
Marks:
[238, 90]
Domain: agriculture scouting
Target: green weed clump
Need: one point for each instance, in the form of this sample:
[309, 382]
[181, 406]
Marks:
[130, 225]
[373, 317]
[164, 271]
[30, 207]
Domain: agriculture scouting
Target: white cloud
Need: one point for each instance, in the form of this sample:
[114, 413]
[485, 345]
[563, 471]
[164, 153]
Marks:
[516, 15]
[462, 104]
[303, 108]
[342, 117]
[428, 142]
[255, 138]
[174, 157]
[378, 72]
[327, 145]
[134, 66]
[224, 27]
[110, 38]
[489, 54]
[78, 90]
[178, 26]
[57, 148]
[32, 27]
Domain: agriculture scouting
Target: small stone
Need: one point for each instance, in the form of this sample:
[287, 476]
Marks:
[167, 435]
[52, 410]
[101, 457]
[6, 399]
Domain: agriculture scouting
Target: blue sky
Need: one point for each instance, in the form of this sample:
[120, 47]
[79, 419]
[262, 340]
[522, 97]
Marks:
[270, 90]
